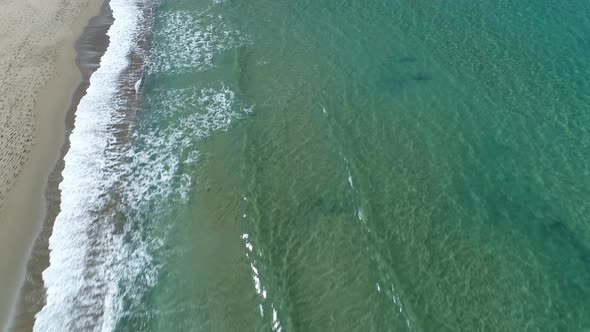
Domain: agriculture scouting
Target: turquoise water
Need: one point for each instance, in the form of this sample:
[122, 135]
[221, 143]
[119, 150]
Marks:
[364, 166]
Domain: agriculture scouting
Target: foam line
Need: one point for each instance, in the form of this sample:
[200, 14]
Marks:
[71, 296]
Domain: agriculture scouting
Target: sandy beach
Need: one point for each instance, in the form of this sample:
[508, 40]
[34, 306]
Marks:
[37, 85]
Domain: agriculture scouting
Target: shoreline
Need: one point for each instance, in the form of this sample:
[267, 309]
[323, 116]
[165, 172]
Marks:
[30, 201]
[69, 257]
[89, 47]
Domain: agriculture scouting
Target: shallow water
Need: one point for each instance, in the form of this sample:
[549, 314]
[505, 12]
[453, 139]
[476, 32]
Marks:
[344, 166]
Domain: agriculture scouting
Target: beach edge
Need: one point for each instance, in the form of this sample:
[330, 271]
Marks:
[33, 202]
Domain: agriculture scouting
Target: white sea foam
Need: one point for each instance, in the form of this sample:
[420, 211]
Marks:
[151, 172]
[260, 289]
[99, 260]
[85, 249]
[197, 39]
[161, 150]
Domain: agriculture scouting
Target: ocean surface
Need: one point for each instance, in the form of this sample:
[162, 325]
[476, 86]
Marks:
[305, 165]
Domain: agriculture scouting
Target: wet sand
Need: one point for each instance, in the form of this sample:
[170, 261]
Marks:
[37, 87]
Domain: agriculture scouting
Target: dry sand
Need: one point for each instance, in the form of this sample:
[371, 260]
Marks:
[38, 78]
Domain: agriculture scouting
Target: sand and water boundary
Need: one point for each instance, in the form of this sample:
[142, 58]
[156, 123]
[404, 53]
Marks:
[40, 87]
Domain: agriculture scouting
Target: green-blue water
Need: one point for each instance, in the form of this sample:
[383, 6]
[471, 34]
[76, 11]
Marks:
[368, 166]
